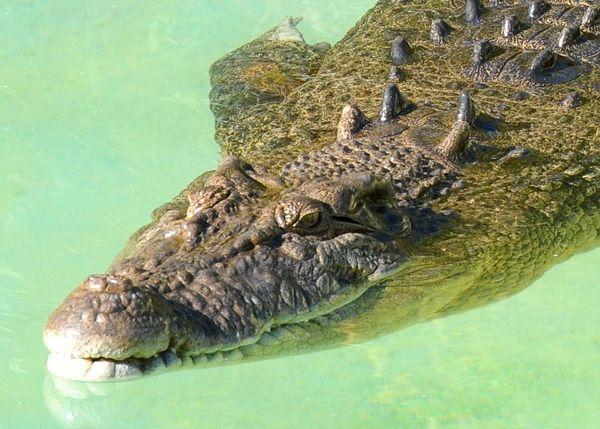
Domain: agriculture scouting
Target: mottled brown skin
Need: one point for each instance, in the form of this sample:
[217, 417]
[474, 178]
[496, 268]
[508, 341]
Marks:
[326, 228]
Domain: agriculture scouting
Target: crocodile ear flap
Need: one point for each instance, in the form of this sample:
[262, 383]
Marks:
[455, 143]
[352, 120]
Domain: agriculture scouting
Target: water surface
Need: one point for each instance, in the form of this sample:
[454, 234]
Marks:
[104, 116]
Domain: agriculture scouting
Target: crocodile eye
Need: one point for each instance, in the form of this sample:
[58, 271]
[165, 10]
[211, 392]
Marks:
[309, 220]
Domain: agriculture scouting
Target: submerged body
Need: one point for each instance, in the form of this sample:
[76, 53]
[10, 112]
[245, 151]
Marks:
[332, 224]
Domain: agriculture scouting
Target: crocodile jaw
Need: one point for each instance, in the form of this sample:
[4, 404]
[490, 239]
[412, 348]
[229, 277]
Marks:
[113, 327]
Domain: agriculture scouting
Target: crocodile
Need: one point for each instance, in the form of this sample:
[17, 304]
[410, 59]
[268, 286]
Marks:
[441, 156]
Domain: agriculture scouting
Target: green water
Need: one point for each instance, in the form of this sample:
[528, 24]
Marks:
[104, 116]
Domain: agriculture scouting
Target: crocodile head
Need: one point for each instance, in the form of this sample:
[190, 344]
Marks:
[253, 251]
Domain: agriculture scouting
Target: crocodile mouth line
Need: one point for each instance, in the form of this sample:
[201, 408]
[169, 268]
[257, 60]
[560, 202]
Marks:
[103, 369]
[272, 335]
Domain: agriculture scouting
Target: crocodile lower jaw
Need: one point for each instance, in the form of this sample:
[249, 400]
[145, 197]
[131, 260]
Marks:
[80, 369]
[85, 369]
[105, 370]
[276, 331]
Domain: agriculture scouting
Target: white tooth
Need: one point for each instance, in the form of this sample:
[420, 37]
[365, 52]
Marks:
[68, 367]
[101, 370]
[127, 370]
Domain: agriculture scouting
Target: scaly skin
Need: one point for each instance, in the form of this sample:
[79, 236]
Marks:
[326, 228]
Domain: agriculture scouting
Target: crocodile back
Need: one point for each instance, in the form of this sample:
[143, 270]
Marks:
[531, 67]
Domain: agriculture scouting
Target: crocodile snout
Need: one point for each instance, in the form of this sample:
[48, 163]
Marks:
[108, 317]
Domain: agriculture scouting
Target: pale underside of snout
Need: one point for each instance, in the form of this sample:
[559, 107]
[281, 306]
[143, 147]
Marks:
[80, 369]
[277, 339]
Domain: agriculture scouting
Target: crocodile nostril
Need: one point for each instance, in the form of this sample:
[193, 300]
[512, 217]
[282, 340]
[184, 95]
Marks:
[117, 284]
[96, 282]
[112, 280]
